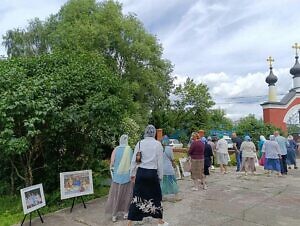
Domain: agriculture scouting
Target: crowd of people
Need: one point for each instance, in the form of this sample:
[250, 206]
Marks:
[142, 178]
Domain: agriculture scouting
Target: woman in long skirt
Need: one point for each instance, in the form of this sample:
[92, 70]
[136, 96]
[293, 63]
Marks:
[147, 174]
[272, 152]
[249, 155]
[196, 153]
[291, 152]
[168, 184]
[208, 154]
[120, 193]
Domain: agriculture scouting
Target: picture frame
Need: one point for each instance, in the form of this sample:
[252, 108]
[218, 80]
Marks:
[177, 172]
[185, 166]
[33, 198]
[76, 183]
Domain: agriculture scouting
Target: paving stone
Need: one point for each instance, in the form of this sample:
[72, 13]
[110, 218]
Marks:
[231, 200]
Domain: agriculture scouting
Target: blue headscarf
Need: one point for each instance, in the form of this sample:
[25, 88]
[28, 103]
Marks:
[247, 138]
[165, 141]
[203, 139]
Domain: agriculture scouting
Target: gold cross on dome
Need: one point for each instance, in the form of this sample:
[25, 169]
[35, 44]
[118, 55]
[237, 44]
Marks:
[270, 60]
[296, 46]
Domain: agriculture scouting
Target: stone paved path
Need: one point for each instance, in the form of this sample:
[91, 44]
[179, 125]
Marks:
[231, 200]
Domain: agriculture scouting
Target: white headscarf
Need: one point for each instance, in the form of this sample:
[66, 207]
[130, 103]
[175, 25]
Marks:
[262, 138]
[150, 131]
[123, 140]
[126, 160]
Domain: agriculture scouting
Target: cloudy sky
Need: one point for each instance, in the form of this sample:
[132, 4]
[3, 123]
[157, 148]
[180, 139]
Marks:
[222, 43]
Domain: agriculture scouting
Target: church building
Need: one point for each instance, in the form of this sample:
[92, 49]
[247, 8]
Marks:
[286, 111]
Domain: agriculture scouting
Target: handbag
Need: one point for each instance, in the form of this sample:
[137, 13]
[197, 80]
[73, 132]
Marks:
[262, 160]
[187, 165]
[138, 157]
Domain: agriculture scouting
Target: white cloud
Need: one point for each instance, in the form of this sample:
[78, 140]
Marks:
[244, 94]
[212, 36]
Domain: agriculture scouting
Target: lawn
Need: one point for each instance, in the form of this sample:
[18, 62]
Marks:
[11, 211]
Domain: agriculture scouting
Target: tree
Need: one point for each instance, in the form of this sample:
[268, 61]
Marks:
[58, 111]
[192, 105]
[88, 26]
[218, 120]
[254, 128]
[30, 42]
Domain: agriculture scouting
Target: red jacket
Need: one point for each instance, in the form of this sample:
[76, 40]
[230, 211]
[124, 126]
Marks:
[196, 150]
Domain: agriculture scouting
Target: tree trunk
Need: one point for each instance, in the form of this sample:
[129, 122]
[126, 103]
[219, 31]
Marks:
[12, 182]
[29, 176]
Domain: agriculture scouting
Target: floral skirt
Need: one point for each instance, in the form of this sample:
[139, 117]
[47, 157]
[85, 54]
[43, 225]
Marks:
[147, 197]
[169, 185]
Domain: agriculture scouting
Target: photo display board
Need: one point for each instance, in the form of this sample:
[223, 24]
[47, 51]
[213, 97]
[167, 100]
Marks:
[33, 198]
[76, 183]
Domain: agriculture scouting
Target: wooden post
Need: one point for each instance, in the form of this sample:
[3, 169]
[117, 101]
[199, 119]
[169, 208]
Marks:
[159, 134]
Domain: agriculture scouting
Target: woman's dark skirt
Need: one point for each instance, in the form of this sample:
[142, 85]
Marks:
[147, 196]
[207, 164]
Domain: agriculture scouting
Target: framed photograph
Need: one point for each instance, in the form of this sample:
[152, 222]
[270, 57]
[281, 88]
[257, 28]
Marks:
[177, 173]
[33, 198]
[185, 165]
[76, 183]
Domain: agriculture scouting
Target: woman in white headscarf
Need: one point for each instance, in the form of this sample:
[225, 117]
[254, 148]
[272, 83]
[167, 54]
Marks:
[120, 193]
[147, 195]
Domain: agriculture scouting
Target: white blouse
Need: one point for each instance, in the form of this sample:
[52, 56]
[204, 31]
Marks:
[152, 156]
[222, 146]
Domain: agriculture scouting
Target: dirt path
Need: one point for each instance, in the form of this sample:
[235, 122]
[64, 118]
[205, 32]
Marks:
[232, 199]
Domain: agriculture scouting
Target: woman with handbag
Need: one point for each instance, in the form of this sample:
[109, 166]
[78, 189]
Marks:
[147, 196]
[168, 184]
[120, 193]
